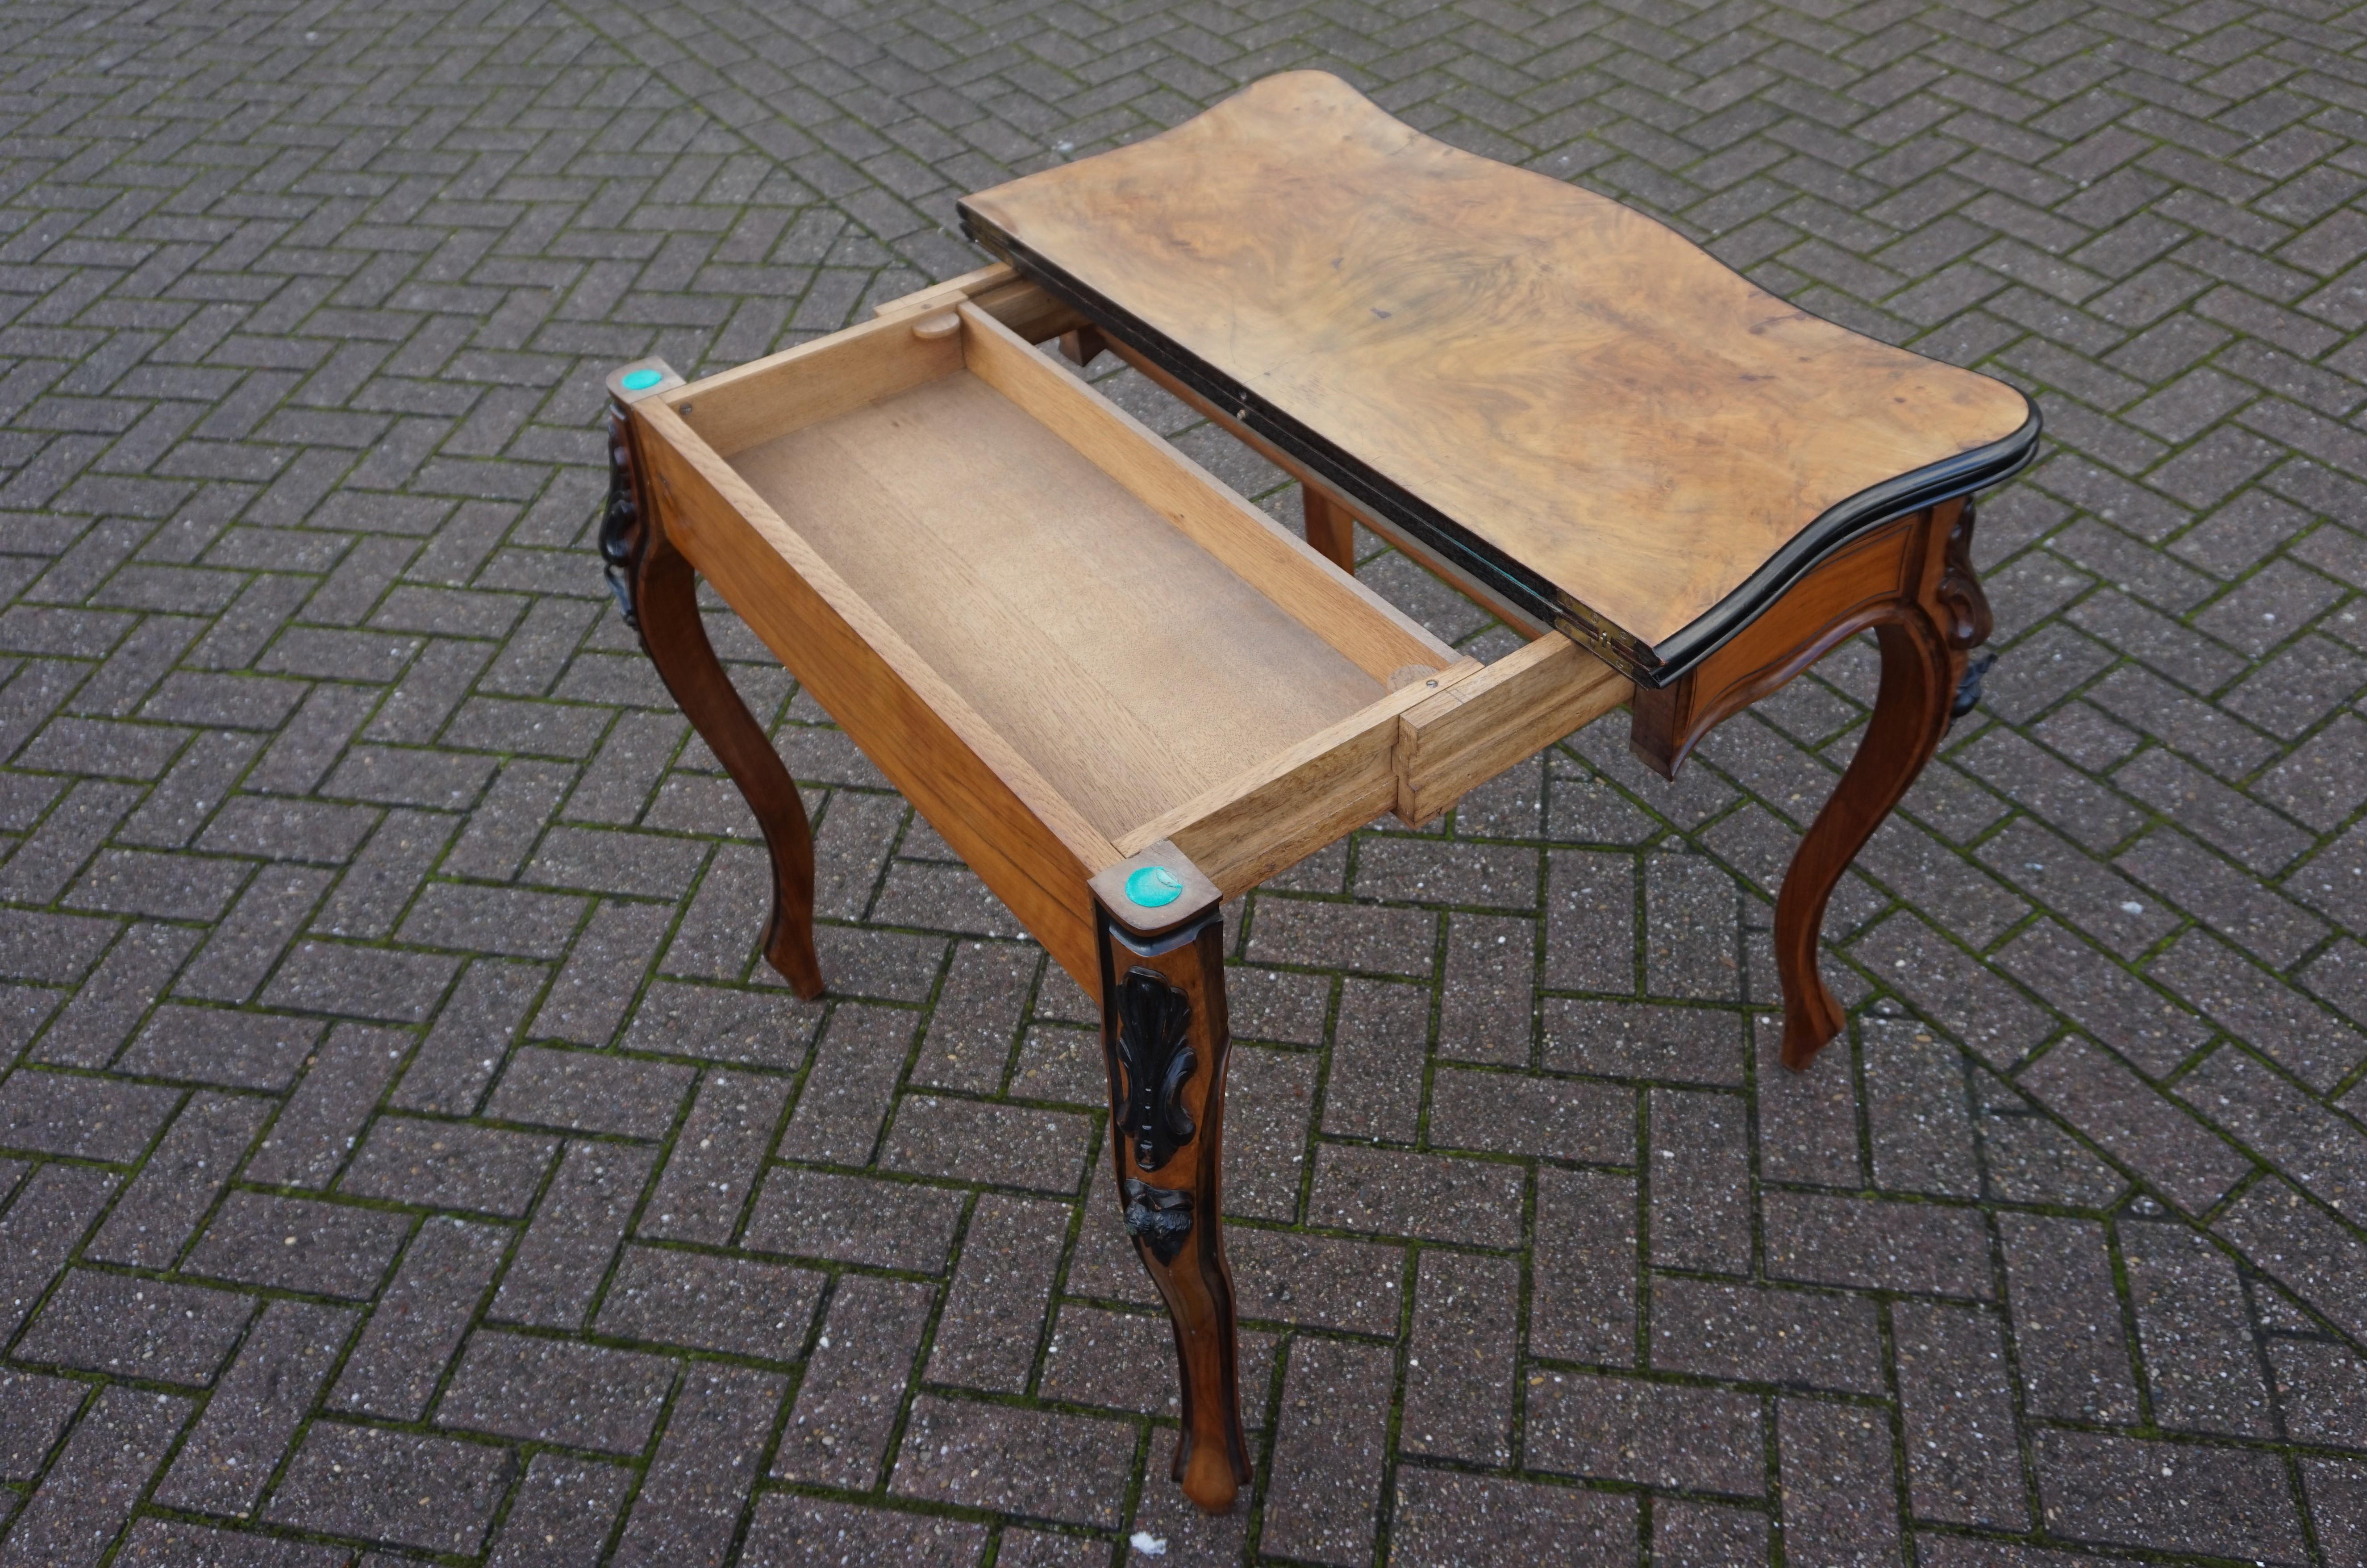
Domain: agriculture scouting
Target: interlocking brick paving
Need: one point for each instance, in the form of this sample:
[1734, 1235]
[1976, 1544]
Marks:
[403, 1156]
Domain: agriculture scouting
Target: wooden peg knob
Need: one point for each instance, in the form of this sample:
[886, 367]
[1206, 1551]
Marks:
[942, 325]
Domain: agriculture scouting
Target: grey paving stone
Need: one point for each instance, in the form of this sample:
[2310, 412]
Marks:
[449, 1164]
[2104, 998]
[1699, 1172]
[1449, 1517]
[585, 1092]
[994, 1314]
[716, 1158]
[322, 1118]
[117, 997]
[367, 983]
[153, 1542]
[239, 955]
[298, 1244]
[851, 1220]
[1126, 1360]
[689, 1504]
[1069, 1468]
[1697, 1045]
[76, 1513]
[1663, 1435]
[2202, 1365]
[2114, 1491]
[1440, 1197]
[2280, 1231]
[792, 1529]
[1460, 1371]
[1583, 1303]
[1008, 1146]
[1956, 1413]
[552, 1391]
[969, 1038]
[1486, 995]
[1959, 996]
[1699, 1534]
[603, 973]
[211, 1045]
[2074, 1353]
[420, 1319]
[2257, 1008]
[39, 1406]
[1869, 1242]
[2320, 1385]
[412, 1490]
[1559, 1119]
[49, 1215]
[1374, 1089]
[471, 1035]
[222, 1466]
[854, 1382]
[1835, 1459]
[2105, 1100]
[1812, 1339]
[134, 1327]
[2338, 1504]
[735, 1305]
[565, 1508]
[752, 1029]
[564, 1256]
[91, 1118]
[1329, 1447]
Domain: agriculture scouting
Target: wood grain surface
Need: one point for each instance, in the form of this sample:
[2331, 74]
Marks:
[1026, 842]
[1129, 666]
[1582, 390]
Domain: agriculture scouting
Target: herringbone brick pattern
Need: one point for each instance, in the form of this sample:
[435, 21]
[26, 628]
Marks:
[403, 1158]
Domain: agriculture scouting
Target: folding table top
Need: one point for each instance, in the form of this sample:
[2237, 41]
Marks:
[1567, 400]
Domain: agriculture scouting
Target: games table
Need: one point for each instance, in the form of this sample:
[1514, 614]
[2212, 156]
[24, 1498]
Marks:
[1124, 695]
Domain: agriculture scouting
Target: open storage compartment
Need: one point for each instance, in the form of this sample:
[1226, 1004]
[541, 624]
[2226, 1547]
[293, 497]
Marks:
[1060, 638]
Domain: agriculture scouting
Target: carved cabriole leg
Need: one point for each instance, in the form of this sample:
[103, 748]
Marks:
[658, 592]
[1913, 582]
[1164, 1038]
[1330, 529]
[1919, 686]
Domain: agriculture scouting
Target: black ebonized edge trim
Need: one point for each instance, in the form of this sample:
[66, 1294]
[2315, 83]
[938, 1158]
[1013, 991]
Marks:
[1869, 508]
[1518, 584]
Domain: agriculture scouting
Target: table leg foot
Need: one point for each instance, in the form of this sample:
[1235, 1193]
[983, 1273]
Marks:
[658, 592]
[1164, 1038]
[1330, 529]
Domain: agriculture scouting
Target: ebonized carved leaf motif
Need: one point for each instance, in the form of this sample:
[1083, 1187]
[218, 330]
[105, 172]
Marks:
[1968, 622]
[1159, 1217]
[1155, 1063]
[620, 521]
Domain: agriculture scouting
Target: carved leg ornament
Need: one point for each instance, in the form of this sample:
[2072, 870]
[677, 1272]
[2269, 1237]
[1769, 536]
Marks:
[1164, 1038]
[657, 592]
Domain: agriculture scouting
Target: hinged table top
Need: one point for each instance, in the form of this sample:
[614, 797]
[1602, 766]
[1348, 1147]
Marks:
[1564, 398]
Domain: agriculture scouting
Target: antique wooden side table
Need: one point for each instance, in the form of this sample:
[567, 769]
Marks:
[1124, 695]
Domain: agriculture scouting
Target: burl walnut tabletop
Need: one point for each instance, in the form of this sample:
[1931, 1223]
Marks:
[1572, 412]
[1573, 404]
